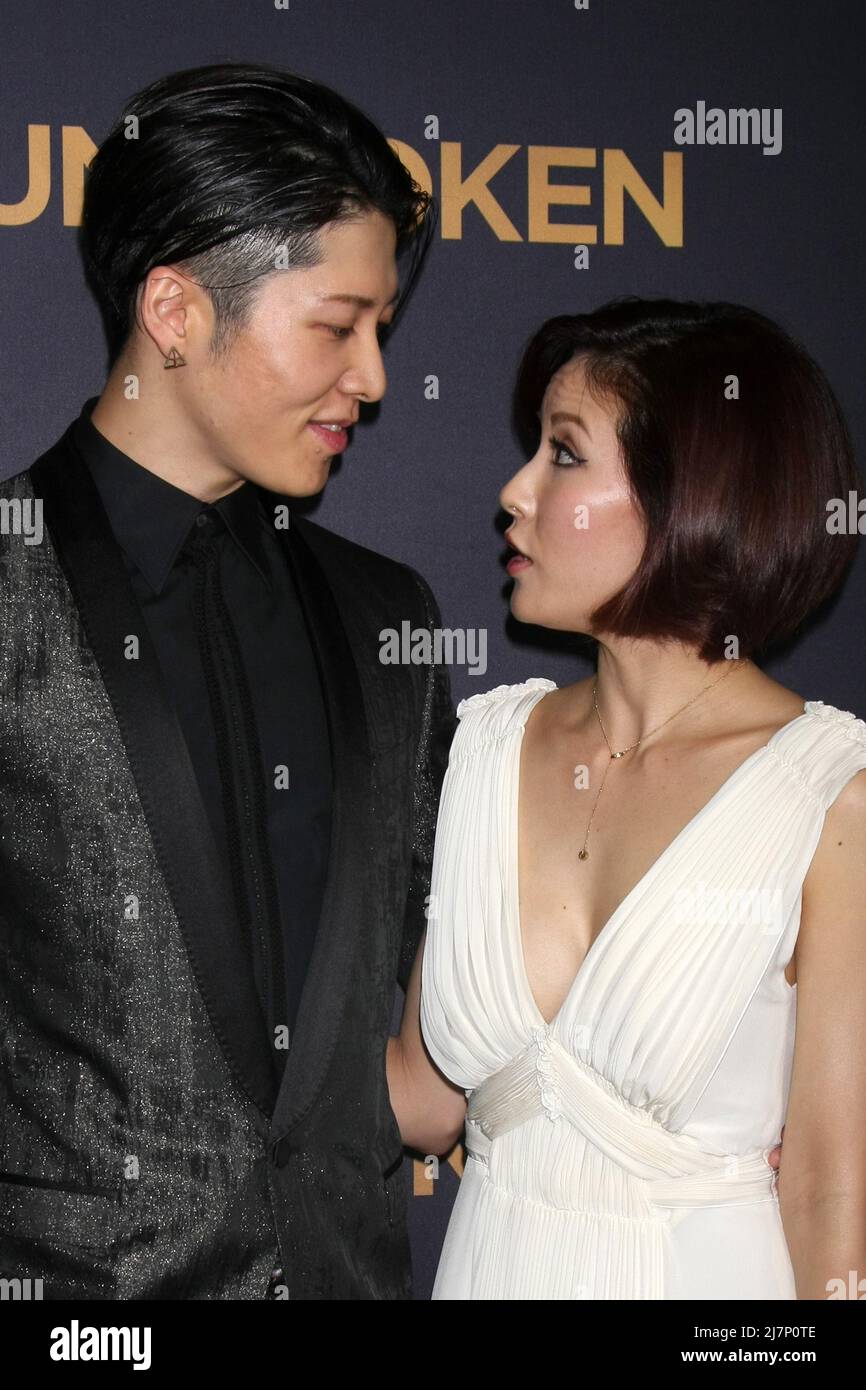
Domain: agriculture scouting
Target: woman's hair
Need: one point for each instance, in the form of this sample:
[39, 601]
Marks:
[225, 169]
[733, 444]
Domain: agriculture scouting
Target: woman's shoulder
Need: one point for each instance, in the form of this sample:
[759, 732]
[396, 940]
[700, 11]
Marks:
[763, 709]
[782, 707]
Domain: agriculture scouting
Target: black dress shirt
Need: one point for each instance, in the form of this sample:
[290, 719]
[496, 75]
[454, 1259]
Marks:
[152, 520]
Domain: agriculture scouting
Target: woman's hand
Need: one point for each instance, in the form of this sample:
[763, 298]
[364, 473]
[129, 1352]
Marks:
[774, 1158]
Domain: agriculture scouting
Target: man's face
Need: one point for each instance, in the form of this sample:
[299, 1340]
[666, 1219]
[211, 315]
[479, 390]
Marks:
[309, 353]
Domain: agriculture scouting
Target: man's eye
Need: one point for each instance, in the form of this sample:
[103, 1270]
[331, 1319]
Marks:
[382, 331]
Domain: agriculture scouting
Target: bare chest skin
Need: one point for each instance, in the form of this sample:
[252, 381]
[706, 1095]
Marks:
[564, 902]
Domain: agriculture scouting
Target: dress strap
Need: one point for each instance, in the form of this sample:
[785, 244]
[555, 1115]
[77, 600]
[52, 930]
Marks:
[492, 714]
[823, 750]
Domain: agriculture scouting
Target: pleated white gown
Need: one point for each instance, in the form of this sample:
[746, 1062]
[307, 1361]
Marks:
[621, 1151]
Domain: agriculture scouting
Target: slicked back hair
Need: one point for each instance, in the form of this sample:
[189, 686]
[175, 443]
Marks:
[230, 171]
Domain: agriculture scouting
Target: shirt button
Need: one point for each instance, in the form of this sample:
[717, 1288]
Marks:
[202, 519]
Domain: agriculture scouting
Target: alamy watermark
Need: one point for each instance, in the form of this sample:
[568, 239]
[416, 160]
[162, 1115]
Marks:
[738, 125]
[22, 516]
[846, 518]
[77, 1343]
[705, 906]
[15, 1290]
[419, 646]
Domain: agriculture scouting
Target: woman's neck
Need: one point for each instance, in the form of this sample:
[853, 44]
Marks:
[640, 687]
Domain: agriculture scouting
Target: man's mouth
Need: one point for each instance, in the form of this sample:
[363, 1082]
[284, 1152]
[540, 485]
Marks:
[333, 433]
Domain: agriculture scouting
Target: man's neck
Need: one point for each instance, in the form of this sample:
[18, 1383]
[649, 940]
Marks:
[158, 437]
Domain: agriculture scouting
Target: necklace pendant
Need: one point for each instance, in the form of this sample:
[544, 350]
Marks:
[583, 854]
[617, 755]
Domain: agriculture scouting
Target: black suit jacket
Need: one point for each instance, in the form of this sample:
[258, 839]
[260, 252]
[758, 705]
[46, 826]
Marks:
[146, 1150]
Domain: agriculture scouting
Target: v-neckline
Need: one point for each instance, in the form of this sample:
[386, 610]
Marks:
[650, 873]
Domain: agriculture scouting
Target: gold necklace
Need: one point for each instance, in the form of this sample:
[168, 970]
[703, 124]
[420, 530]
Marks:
[584, 853]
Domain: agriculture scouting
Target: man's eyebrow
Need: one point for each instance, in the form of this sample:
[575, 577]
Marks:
[566, 415]
[360, 300]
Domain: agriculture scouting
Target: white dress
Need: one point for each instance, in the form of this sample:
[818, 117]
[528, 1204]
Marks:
[621, 1151]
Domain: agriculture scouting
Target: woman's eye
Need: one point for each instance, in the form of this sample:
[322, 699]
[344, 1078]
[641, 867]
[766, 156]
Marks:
[338, 332]
[559, 448]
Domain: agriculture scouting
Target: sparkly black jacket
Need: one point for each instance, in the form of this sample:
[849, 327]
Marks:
[145, 1151]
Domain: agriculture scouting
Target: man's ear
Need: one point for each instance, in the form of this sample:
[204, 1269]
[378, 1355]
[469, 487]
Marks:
[169, 307]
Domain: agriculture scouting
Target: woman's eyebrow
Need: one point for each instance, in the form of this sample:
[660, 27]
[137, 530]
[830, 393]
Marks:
[575, 420]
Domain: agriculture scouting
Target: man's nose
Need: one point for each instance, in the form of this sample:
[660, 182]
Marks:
[368, 374]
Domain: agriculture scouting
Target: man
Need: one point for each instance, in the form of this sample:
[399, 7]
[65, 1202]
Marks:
[216, 805]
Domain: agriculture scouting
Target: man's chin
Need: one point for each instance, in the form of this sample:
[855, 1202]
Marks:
[298, 482]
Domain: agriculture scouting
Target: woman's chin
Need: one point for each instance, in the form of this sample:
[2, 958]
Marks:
[522, 608]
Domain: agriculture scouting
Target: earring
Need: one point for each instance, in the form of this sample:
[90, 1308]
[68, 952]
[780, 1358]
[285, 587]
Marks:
[174, 359]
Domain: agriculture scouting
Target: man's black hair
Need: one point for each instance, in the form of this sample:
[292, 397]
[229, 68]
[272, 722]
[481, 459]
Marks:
[230, 171]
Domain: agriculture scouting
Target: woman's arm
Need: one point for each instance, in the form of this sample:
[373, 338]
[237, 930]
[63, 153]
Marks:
[429, 1109]
[822, 1180]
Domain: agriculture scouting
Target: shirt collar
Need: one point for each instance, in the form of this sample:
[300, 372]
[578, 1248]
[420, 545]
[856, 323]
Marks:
[151, 518]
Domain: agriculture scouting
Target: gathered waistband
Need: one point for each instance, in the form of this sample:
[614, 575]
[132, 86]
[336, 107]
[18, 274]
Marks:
[670, 1170]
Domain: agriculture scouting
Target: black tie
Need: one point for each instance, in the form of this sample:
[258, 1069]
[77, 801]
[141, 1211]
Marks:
[241, 773]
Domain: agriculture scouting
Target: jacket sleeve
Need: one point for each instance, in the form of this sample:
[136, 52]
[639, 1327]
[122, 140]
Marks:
[438, 725]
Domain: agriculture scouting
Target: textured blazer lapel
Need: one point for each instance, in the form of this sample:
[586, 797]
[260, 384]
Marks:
[345, 899]
[183, 841]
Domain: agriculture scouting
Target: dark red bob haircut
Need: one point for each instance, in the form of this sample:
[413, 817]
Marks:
[733, 444]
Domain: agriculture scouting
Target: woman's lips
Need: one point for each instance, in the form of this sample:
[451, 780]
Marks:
[336, 440]
[518, 561]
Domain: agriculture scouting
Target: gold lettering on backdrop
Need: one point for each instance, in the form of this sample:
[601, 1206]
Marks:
[457, 191]
[35, 200]
[543, 194]
[78, 150]
[619, 177]
[665, 217]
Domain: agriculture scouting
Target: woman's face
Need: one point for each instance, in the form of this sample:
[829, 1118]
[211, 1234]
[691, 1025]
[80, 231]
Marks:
[573, 514]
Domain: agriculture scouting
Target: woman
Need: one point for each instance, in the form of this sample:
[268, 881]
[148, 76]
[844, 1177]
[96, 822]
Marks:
[647, 942]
